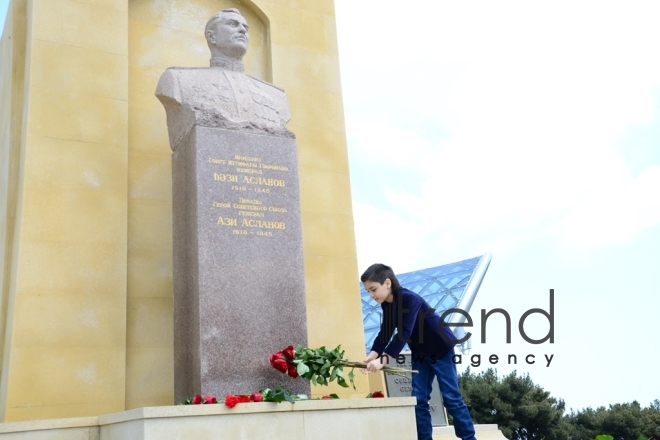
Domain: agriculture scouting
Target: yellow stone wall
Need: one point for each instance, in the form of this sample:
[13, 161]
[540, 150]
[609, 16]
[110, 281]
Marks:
[65, 326]
[86, 245]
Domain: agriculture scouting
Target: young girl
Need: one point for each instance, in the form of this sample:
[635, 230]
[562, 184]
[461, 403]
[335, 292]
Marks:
[430, 341]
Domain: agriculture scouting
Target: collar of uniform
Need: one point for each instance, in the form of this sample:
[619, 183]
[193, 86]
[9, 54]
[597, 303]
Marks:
[227, 63]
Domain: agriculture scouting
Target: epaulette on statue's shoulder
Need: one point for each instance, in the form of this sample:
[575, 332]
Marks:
[267, 83]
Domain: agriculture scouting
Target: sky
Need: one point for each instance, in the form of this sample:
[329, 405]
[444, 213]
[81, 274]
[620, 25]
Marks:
[529, 130]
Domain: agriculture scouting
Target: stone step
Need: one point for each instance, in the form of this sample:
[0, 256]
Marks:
[484, 432]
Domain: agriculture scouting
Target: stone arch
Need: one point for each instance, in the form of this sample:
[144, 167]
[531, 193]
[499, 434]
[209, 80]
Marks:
[164, 33]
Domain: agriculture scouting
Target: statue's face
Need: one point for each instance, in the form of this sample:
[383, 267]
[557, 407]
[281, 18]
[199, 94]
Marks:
[230, 35]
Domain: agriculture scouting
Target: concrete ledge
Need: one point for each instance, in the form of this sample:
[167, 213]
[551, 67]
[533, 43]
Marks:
[79, 428]
[357, 419]
[37, 425]
[158, 412]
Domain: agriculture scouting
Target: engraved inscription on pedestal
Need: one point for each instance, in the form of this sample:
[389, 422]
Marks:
[251, 182]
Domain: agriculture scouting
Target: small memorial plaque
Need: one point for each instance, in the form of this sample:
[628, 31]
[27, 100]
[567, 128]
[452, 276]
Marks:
[399, 386]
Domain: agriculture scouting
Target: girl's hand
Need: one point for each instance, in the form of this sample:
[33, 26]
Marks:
[373, 355]
[376, 365]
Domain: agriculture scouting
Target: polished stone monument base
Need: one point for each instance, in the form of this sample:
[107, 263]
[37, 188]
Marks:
[239, 291]
[355, 419]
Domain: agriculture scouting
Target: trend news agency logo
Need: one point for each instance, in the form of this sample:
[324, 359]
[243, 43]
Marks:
[475, 359]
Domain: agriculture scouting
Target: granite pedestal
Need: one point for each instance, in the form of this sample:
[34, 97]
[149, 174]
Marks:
[239, 292]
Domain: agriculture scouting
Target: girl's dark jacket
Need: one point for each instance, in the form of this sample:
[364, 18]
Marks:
[410, 319]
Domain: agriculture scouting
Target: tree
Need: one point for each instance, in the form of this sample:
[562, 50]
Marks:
[586, 424]
[651, 417]
[521, 409]
[525, 411]
[626, 421]
[623, 421]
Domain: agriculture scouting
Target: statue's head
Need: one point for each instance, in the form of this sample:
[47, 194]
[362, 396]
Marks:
[226, 34]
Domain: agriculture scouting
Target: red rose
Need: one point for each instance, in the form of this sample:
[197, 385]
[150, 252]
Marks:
[280, 365]
[293, 372]
[231, 401]
[377, 394]
[256, 397]
[288, 352]
[211, 399]
[197, 400]
[274, 357]
[326, 397]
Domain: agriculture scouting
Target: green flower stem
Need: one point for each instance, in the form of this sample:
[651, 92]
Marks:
[321, 366]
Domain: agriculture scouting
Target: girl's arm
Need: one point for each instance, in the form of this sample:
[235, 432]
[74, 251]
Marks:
[409, 309]
[373, 355]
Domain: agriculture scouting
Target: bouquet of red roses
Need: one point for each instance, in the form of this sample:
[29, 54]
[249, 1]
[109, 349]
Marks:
[231, 400]
[282, 361]
[321, 365]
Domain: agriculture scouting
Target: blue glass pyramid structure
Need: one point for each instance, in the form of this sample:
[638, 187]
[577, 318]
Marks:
[443, 287]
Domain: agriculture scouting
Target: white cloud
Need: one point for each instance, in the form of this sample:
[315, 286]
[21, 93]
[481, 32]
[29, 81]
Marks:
[613, 217]
[386, 238]
[379, 143]
[535, 100]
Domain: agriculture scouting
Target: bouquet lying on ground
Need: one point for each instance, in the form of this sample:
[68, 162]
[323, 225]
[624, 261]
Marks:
[231, 400]
[277, 395]
[321, 365]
